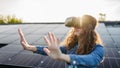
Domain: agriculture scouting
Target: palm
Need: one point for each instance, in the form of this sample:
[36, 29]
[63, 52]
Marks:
[53, 49]
[23, 41]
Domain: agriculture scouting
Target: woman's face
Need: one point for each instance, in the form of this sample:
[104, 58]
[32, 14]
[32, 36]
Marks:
[78, 31]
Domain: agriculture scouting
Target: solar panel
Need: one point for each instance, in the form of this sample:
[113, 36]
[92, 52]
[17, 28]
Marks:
[5, 56]
[28, 60]
[114, 31]
[116, 38]
[13, 55]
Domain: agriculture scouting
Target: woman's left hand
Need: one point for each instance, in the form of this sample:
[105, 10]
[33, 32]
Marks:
[53, 46]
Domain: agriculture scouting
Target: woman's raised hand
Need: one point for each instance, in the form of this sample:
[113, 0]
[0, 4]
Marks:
[53, 46]
[23, 40]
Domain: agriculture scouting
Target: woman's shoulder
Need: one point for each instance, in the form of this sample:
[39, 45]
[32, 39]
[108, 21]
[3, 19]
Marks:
[98, 45]
[99, 48]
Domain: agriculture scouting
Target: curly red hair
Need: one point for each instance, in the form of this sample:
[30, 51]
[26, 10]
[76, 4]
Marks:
[87, 39]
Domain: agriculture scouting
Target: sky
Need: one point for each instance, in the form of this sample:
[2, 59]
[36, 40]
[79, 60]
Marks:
[59, 10]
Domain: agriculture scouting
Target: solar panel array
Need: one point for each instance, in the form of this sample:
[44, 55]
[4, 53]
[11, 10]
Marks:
[13, 55]
[111, 39]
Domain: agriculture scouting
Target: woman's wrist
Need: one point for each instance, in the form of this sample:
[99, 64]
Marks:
[64, 57]
[31, 48]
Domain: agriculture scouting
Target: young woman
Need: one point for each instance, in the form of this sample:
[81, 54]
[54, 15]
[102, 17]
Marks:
[82, 47]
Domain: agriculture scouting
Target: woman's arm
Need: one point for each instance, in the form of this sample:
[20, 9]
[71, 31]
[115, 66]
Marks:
[92, 59]
[40, 50]
[35, 49]
[24, 43]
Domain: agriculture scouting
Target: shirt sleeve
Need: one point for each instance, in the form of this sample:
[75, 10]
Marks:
[92, 59]
[41, 51]
[63, 49]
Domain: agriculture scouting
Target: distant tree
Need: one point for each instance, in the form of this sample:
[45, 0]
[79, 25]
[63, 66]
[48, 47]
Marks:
[10, 20]
[102, 17]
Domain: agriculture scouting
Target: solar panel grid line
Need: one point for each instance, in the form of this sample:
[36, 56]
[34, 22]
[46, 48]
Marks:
[115, 51]
[49, 63]
[32, 38]
[112, 58]
[117, 40]
[101, 29]
[107, 63]
[108, 45]
[100, 65]
[53, 65]
[41, 32]
[113, 63]
[10, 32]
[45, 61]
[16, 61]
[19, 59]
[56, 64]
[48, 60]
[36, 60]
[107, 42]
[60, 64]
[111, 37]
[29, 62]
[63, 65]
[4, 57]
[13, 66]
[114, 31]
[3, 36]
[9, 59]
[112, 52]
[118, 61]
[116, 44]
[114, 41]
[66, 65]
[106, 52]
[24, 60]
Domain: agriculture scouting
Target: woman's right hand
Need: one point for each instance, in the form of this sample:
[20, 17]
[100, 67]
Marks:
[24, 43]
[23, 40]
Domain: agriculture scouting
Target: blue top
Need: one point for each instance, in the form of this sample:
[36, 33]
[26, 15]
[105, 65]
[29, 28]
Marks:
[91, 60]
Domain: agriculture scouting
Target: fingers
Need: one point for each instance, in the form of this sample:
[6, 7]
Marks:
[24, 45]
[51, 40]
[58, 40]
[21, 35]
[50, 37]
[46, 51]
[53, 37]
[47, 41]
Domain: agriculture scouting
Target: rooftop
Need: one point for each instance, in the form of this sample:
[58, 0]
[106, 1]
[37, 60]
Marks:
[12, 54]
